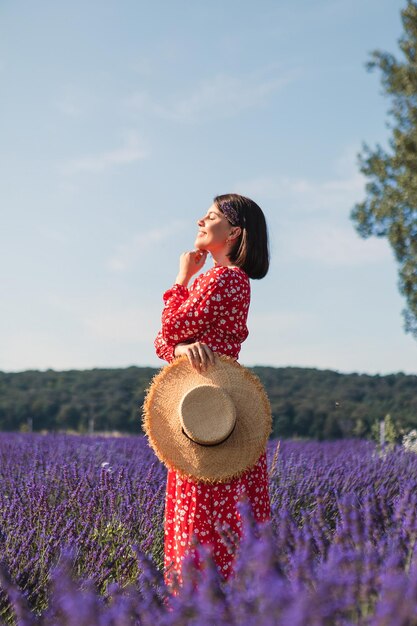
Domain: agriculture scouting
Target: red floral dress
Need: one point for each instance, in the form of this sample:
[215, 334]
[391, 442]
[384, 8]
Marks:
[214, 310]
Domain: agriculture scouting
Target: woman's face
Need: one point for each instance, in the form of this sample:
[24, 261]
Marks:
[213, 230]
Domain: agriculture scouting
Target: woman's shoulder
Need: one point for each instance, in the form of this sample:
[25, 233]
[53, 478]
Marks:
[226, 271]
[222, 277]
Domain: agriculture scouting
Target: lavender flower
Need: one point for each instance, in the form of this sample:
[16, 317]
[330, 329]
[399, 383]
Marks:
[81, 544]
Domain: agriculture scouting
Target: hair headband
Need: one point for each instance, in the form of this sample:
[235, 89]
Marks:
[231, 213]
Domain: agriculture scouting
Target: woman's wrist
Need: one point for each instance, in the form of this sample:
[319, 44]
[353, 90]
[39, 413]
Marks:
[182, 280]
[178, 345]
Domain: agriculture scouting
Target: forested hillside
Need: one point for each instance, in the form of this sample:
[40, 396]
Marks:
[306, 402]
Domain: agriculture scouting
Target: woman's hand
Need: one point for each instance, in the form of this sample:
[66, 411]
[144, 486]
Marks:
[199, 354]
[190, 264]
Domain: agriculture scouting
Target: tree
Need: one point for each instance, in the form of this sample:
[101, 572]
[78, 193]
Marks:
[390, 208]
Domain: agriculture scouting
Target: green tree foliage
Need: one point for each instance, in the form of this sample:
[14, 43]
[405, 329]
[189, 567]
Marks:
[305, 402]
[70, 399]
[391, 430]
[386, 432]
[390, 208]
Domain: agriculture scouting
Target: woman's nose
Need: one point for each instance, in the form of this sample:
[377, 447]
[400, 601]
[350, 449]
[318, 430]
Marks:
[200, 222]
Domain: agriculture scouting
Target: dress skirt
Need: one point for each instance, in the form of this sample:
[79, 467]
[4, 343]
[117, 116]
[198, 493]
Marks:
[196, 511]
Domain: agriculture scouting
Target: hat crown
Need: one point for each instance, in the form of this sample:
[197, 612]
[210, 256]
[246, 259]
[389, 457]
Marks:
[207, 414]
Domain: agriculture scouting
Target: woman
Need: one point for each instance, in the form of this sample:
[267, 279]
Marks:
[210, 317]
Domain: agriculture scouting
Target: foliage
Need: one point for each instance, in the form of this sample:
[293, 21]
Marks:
[390, 432]
[71, 399]
[390, 208]
[409, 441]
[306, 402]
[79, 535]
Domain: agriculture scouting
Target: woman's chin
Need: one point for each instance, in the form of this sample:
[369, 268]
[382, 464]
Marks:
[199, 245]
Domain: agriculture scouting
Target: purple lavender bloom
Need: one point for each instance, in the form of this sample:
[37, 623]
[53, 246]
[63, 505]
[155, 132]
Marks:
[81, 538]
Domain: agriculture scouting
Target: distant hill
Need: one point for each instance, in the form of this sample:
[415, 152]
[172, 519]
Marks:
[306, 402]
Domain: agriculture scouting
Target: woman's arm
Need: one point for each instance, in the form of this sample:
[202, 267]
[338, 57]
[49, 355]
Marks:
[198, 353]
[162, 349]
[190, 264]
[186, 318]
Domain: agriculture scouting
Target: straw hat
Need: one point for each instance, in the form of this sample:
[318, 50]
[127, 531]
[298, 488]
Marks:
[210, 426]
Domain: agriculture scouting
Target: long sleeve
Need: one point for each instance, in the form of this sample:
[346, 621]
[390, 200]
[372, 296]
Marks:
[189, 315]
[213, 310]
[162, 349]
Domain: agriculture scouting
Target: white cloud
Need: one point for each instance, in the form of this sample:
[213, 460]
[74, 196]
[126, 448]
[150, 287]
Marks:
[77, 101]
[142, 66]
[114, 339]
[128, 254]
[129, 325]
[345, 355]
[129, 152]
[329, 244]
[310, 219]
[140, 101]
[294, 338]
[34, 349]
[70, 108]
[281, 321]
[216, 97]
[84, 332]
[301, 196]
[52, 234]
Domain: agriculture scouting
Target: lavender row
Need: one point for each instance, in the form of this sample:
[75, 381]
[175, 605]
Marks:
[81, 538]
[96, 497]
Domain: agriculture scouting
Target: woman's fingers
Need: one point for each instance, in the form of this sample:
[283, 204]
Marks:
[210, 354]
[200, 258]
[193, 357]
[198, 353]
[200, 356]
[207, 355]
[191, 263]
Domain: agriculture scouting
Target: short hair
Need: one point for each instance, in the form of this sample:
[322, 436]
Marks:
[251, 250]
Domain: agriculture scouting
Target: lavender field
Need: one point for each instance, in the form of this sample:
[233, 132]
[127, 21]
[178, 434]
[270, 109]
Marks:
[82, 541]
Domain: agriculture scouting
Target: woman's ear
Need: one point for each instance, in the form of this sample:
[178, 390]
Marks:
[235, 233]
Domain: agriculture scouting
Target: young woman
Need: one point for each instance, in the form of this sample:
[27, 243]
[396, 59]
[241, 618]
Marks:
[210, 316]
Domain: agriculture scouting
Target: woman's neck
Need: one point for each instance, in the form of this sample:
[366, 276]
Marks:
[222, 259]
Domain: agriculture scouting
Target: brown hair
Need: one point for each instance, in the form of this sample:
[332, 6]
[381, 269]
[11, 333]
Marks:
[251, 250]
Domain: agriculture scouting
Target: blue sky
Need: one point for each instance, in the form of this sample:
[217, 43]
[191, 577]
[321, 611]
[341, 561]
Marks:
[119, 123]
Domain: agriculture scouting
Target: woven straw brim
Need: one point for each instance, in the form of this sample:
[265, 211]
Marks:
[227, 460]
